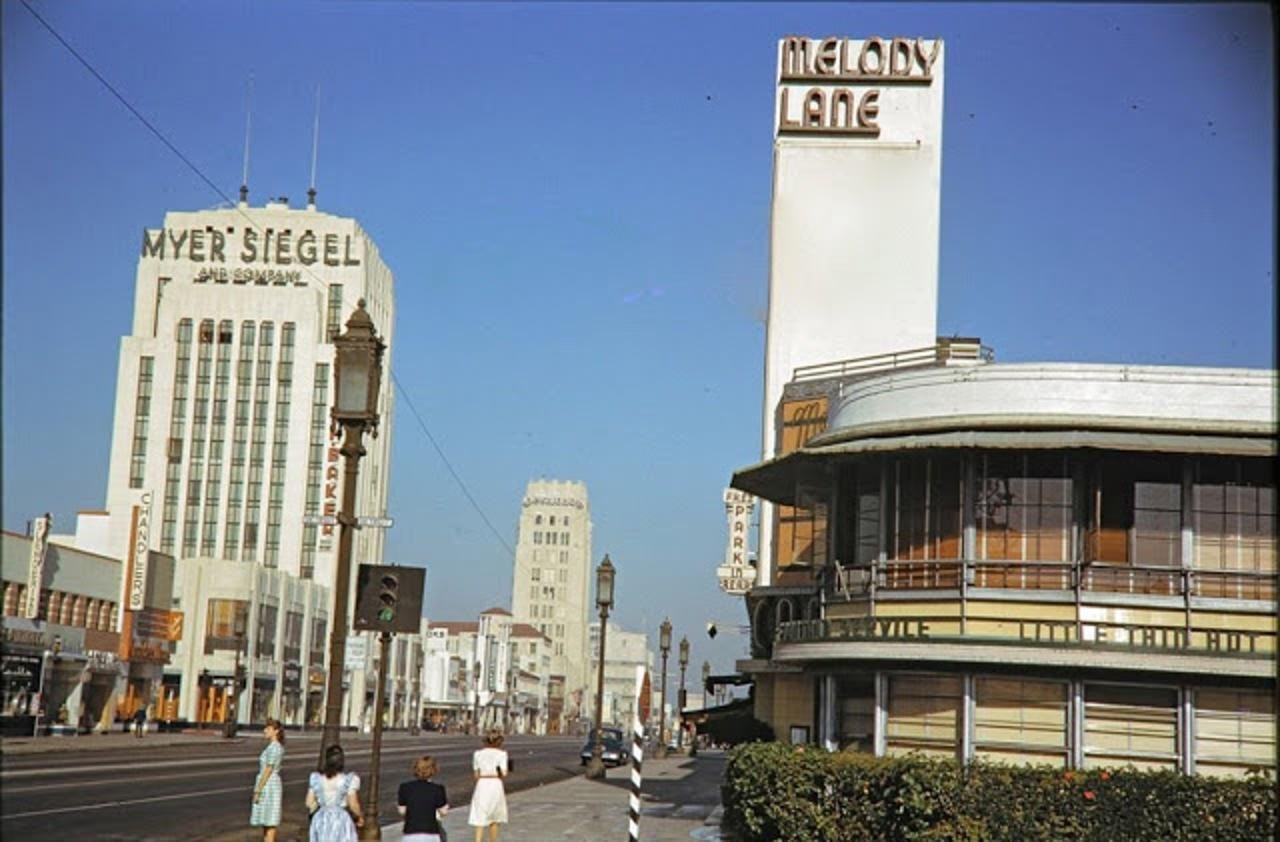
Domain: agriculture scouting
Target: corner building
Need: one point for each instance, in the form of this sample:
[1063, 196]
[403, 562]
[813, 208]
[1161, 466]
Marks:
[551, 582]
[1035, 562]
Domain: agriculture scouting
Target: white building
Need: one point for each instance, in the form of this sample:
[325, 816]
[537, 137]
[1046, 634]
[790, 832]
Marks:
[623, 652]
[223, 393]
[551, 582]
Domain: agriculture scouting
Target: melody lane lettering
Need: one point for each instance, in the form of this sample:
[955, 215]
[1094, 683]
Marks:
[846, 110]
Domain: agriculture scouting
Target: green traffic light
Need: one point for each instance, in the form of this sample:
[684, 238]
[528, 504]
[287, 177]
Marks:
[386, 615]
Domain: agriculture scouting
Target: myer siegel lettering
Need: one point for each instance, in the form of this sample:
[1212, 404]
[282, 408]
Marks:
[268, 247]
[844, 111]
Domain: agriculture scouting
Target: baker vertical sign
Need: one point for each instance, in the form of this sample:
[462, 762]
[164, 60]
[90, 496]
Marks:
[737, 574]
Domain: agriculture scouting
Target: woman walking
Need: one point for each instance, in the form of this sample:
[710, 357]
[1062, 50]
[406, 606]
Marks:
[422, 802]
[489, 801]
[269, 791]
[332, 800]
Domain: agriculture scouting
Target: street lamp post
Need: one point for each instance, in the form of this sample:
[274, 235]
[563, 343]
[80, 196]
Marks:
[680, 699]
[357, 380]
[706, 676]
[233, 720]
[604, 599]
[664, 644]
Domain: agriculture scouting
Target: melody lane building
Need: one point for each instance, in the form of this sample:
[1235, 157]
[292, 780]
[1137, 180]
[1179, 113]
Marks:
[1062, 563]
[222, 442]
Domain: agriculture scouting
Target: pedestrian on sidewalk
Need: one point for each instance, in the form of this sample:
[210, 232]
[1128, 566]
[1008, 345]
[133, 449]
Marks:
[140, 721]
[423, 803]
[268, 793]
[332, 799]
[489, 800]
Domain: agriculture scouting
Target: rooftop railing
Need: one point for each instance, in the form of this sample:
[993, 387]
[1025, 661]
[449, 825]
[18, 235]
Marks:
[946, 349]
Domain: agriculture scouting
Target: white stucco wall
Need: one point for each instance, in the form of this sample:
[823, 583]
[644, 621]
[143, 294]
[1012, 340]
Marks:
[1185, 397]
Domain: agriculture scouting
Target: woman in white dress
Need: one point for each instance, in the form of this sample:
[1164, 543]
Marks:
[489, 801]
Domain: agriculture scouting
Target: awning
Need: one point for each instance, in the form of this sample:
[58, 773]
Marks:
[776, 479]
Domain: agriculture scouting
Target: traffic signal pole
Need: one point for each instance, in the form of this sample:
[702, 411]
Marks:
[372, 826]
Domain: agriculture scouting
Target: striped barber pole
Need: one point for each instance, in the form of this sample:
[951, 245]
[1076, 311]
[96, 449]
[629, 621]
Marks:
[641, 708]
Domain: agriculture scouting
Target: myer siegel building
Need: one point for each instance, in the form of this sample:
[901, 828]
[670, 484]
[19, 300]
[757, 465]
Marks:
[222, 448]
[1065, 563]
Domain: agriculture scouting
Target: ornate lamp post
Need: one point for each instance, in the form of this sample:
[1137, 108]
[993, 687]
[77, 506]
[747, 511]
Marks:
[357, 380]
[664, 644]
[604, 599]
[680, 699]
[237, 681]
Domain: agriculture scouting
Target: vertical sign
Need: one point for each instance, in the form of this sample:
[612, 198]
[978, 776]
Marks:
[139, 553]
[35, 569]
[737, 574]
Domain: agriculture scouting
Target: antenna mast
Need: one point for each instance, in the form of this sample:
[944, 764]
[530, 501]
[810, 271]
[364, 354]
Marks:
[315, 146]
[248, 125]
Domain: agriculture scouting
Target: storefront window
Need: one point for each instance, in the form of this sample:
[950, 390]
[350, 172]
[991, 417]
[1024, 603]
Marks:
[1130, 725]
[1235, 731]
[1023, 507]
[924, 714]
[1020, 721]
[268, 619]
[225, 618]
[856, 704]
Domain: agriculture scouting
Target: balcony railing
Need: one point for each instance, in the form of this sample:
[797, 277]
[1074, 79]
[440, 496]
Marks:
[945, 349]
[1097, 577]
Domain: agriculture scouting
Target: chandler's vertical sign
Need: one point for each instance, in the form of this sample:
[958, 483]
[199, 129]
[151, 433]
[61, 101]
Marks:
[838, 86]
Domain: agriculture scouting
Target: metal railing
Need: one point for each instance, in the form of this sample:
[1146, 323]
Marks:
[945, 349]
[1096, 577]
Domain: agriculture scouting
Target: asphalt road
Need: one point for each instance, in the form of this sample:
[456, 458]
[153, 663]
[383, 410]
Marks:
[202, 789]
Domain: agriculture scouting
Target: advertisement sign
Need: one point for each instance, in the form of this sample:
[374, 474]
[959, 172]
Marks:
[737, 574]
[35, 568]
[139, 553]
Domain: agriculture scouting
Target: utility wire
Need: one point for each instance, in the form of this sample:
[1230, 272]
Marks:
[422, 425]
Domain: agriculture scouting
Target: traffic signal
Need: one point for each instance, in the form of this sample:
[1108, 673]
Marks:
[388, 598]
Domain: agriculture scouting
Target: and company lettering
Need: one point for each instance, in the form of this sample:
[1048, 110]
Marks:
[552, 501]
[861, 69]
[261, 252]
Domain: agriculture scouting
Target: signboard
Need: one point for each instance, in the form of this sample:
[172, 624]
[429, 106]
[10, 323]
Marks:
[35, 568]
[320, 520]
[139, 553]
[158, 624]
[737, 574]
[292, 677]
[645, 703]
[876, 88]
[260, 251]
[375, 522]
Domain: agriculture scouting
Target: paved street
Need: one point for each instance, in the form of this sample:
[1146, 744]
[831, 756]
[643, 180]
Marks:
[180, 787]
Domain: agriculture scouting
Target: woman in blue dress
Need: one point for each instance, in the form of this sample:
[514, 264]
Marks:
[269, 790]
[332, 798]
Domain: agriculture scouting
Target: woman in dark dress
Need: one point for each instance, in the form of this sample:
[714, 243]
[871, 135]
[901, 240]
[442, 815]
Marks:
[422, 802]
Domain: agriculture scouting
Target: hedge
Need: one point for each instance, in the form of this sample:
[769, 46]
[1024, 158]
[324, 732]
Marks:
[773, 792]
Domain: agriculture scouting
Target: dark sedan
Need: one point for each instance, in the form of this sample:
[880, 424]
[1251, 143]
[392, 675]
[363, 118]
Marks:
[613, 749]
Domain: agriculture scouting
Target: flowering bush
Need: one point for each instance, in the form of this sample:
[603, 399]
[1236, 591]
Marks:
[778, 793]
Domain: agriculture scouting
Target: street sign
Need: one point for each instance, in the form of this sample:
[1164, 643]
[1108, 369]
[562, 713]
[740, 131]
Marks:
[646, 697]
[320, 520]
[376, 522]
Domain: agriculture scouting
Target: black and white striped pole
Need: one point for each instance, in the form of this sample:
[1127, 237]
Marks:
[644, 695]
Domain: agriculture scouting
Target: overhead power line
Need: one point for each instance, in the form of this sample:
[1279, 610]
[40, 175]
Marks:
[457, 478]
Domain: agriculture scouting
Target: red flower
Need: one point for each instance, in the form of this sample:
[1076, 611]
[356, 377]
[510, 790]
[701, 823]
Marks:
[1068, 776]
[1088, 795]
[1106, 776]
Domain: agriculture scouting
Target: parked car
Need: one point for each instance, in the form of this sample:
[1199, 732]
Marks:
[613, 749]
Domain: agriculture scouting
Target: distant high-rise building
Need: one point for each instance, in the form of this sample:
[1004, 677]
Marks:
[551, 584]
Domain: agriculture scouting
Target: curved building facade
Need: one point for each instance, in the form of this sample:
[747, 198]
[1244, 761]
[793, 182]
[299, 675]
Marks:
[1065, 563]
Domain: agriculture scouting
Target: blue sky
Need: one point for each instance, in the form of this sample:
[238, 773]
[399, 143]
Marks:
[575, 201]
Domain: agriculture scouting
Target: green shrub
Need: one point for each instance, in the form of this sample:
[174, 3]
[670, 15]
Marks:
[774, 792]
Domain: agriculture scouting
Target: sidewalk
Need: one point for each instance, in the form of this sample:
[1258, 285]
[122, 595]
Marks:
[680, 802]
[116, 739]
